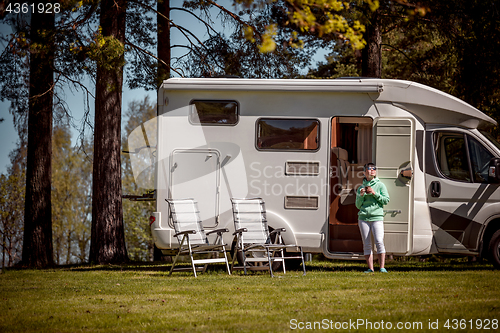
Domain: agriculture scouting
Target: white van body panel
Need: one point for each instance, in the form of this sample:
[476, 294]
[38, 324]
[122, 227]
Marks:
[213, 163]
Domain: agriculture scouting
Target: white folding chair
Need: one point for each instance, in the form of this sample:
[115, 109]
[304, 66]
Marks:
[254, 240]
[192, 237]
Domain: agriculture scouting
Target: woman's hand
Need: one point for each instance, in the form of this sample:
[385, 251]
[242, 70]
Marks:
[369, 190]
[362, 191]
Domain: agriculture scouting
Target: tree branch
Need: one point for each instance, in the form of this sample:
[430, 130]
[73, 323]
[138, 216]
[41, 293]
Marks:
[404, 54]
[76, 83]
[151, 55]
[207, 25]
[181, 29]
[235, 17]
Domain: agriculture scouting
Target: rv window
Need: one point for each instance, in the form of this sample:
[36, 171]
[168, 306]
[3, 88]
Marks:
[480, 160]
[213, 112]
[288, 134]
[451, 156]
[456, 152]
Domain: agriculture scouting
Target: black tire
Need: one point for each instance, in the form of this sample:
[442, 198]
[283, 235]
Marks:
[239, 258]
[159, 256]
[293, 264]
[494, 249]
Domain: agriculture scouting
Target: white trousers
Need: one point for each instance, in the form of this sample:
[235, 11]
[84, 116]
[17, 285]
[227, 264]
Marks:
[377, 229]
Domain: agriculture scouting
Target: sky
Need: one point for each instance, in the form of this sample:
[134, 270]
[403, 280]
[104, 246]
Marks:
[8, 135]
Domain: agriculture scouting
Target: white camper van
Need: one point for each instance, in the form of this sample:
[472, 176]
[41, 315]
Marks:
[301, 145]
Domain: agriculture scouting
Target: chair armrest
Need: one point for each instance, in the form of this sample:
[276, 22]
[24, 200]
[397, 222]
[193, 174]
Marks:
[277, 231]
[240, 230]
[219, 231]
[184, 233]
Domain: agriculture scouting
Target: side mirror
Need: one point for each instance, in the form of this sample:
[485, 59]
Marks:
[494, 171]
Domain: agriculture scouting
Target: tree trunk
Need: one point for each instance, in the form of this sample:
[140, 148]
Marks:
[57, 250]
[108, 236]
[37, 245]
[3, 250]
[68, 249]
[371, 54]
[163, 35]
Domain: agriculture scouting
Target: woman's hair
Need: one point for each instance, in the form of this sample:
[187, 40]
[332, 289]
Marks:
[365, 167]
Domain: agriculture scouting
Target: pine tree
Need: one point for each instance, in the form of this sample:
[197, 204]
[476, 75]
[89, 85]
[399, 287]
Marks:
[108, 238]
[37, 245]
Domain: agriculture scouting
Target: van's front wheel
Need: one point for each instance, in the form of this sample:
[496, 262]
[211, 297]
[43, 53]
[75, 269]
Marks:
[494, 249]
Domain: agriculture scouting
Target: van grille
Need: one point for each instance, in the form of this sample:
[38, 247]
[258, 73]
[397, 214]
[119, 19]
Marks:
[302, 168]
[295, 202]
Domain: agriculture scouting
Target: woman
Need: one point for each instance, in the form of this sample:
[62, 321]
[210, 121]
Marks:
[370, 199]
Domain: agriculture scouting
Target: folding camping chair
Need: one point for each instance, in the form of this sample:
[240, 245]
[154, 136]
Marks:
[192, 237]
[254, 240]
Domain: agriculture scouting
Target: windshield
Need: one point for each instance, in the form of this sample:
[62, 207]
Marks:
[491, 138]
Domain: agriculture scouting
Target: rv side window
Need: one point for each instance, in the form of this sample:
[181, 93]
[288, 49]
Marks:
[451, 156]
[480, 160]
[287, 134]
[213, 112]
[457, 153]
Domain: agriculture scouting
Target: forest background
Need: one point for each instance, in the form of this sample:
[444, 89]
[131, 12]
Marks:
[450, 45]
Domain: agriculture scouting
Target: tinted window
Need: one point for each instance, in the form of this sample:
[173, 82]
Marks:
[455, 151]
[480, 160]
[214, 112]
[293, 134]
[451, 156]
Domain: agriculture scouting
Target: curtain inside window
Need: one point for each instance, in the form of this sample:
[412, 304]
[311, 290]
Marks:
[364, 143]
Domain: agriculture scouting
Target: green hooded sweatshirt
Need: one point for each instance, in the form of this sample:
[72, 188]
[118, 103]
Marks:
[371, 205]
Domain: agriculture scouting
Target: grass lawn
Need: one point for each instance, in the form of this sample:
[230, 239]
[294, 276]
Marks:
[135, 298]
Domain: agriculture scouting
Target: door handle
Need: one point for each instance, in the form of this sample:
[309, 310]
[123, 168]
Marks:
[435, 189]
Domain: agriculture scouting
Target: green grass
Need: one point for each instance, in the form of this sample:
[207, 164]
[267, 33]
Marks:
[142, 297]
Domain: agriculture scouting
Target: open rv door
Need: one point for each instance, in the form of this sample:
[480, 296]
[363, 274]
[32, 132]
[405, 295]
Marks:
[394, 157]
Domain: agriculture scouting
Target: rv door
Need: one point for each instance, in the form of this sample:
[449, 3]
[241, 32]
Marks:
[194, 173]
[394, 146]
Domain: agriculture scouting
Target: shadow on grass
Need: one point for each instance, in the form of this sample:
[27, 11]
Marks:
[432, 267]
[333, 266]
[406, 266]
[310, 267]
